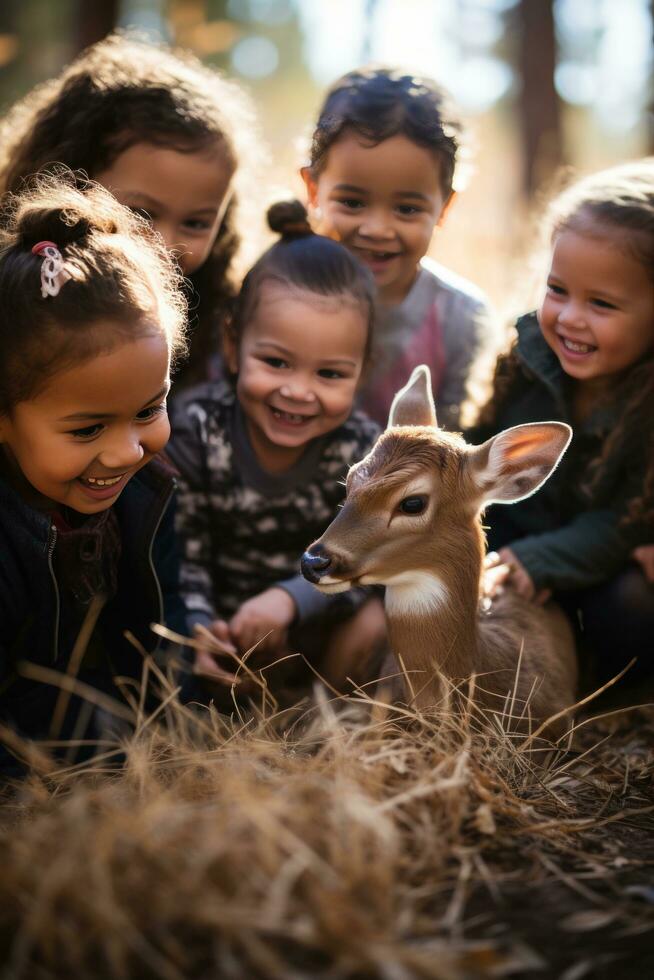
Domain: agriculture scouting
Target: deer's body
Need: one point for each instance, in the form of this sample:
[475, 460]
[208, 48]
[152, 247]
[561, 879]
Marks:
[411, 521]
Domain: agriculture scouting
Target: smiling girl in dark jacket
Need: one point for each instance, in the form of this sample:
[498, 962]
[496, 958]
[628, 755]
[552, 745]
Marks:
[587, 358]
[90, 318]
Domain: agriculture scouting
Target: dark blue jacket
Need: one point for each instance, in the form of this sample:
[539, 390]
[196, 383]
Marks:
[32, 620]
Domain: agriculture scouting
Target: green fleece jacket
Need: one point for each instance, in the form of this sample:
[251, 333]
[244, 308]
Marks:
[566, 535]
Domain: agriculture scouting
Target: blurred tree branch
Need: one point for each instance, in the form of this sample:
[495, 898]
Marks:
[93, 21]
[539, 106]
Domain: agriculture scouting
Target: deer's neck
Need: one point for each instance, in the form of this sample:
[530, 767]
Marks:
[432, 615]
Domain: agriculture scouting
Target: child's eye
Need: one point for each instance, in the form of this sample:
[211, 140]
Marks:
[408, 210]
[142, 213]
[275, 362]
[330, 373]
[556, 289]
[603, 303]
[87, 432]
[150, 413]
[351, 203]
[197, 224]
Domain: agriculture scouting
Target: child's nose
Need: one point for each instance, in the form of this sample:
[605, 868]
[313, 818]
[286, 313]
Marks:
[572, 315]
[377, 223]
[123, 451]
[170, 234]
[298, 389]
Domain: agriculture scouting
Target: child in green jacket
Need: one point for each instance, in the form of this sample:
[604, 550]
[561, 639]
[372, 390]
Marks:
[586, 358]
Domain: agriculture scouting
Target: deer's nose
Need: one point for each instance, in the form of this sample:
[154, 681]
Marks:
[314, 562]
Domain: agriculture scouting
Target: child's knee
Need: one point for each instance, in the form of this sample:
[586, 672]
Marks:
[628, 598]
[618, 624]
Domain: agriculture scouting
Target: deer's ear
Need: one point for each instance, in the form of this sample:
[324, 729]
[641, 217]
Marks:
[515, 463]
[414, 404]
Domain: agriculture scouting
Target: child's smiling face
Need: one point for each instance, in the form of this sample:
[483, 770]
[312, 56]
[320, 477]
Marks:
[298, 364]
[597, 314]
[184, 195]
[382, 202]
[81, 438]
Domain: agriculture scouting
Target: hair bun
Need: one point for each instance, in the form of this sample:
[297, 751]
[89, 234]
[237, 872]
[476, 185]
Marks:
[289, 219]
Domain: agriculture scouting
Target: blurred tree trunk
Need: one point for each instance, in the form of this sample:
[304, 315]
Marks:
[539, 106]
[9, 47]
[93, 22]
[9, 16]
[370, 12]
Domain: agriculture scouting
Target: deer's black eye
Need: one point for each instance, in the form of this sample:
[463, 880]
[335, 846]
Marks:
[413, 505]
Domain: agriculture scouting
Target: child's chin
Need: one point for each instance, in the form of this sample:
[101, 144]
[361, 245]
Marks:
[288, 436]
[92, 506]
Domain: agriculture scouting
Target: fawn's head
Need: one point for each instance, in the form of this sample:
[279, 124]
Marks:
[413, 503]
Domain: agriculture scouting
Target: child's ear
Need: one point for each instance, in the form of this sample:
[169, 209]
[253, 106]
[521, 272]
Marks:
[311, 186]
[446, 209]
[230, 349]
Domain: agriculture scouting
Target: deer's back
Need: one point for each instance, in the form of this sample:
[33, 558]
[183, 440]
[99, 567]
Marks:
[537, 641]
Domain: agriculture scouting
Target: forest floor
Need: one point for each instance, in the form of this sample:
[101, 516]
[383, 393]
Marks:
[585, 907]
[340, 840]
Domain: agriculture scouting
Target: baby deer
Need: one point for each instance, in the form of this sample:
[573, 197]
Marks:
[412, 522]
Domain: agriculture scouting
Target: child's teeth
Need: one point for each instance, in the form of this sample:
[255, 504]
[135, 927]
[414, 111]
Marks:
[577, 348]
[288, 415]
[102, 483]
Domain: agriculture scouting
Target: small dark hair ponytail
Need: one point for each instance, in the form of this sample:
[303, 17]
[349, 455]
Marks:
[304, 260]
[289, 219]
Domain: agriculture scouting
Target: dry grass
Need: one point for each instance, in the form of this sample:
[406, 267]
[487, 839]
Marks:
[336, 840]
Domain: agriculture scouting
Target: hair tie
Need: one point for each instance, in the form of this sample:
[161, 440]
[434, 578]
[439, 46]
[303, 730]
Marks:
[53, 270]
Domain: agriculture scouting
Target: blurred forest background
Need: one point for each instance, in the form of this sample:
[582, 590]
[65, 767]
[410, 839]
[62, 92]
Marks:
[542, 85]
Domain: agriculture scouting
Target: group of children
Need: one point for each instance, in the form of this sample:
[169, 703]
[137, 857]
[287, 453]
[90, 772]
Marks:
[278, 385]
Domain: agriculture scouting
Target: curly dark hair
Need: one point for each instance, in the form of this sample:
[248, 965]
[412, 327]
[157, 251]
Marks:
[378, 103]
[117, 270]
[618, 204]
[123, 91]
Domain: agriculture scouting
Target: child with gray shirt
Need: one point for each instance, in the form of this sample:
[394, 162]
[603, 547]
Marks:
[380, 180]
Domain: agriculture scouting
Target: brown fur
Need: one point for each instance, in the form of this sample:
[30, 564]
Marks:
[522, 655]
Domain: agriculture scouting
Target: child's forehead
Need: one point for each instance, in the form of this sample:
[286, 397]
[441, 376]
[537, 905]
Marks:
[350, 142]
[153, 168]
[308, 323]
[276, 295]
[585, 235]
[396, 158]
[128, 370]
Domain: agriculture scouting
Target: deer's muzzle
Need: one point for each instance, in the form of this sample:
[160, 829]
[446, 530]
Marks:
[315, 562]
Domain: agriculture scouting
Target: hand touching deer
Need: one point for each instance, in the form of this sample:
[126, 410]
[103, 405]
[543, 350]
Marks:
[412, 522]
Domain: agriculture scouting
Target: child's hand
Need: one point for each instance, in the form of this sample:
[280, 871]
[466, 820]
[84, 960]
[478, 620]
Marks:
[212, 660]
[520, 580]
[502, 568]
[495, 576]
[645, 558]
[273, 610]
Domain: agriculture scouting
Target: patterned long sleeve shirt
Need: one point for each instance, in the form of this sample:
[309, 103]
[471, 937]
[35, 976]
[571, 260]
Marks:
[243, 529]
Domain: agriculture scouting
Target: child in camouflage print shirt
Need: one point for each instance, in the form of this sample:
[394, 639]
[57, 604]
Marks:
[263, 464]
